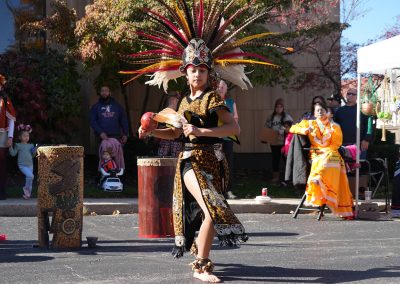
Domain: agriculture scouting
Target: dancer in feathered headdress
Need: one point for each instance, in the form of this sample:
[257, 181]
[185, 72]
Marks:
[197, 44]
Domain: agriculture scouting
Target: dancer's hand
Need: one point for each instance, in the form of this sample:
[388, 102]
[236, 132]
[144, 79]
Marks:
[103, 136]
[190, 129]
[143, 133]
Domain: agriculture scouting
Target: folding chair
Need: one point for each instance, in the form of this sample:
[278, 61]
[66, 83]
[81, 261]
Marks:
[299, 207]
[320, 209]
[376, 170]
[379, 176]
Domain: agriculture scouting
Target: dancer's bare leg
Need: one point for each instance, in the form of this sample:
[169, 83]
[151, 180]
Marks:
[206, 232]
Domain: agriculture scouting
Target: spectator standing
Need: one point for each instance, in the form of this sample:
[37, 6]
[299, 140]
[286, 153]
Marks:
[334, 102]
[276, 123]
[346, 117]
[227, 144]
[7, 120]
[309, 115]
[108, 120]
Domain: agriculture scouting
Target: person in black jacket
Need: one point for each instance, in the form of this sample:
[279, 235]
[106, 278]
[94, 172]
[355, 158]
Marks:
[346, 117]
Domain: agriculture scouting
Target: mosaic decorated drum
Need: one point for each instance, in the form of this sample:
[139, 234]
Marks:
[155, 188]
[60, 196]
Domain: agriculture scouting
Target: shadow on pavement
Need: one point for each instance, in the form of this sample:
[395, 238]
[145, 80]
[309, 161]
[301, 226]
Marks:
[271, 274]
[10, 250]
[272, 234]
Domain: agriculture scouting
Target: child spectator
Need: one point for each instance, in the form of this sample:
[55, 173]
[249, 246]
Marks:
[25, 151]
[108, 163]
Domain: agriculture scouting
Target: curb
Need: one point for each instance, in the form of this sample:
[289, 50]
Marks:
[28, 208]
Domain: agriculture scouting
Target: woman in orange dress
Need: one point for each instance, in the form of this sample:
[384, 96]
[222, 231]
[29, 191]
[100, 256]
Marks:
[327, 183]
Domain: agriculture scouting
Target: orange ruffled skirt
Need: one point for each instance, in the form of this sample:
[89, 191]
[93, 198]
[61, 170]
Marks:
[327, 184]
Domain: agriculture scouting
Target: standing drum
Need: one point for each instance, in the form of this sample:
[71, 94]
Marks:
[60, 196]
[155, 189]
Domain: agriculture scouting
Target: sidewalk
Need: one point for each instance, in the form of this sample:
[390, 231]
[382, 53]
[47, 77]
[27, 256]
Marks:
[18, 207]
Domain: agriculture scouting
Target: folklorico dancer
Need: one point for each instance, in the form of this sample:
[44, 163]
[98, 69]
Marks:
[195, 42]
[7, 121]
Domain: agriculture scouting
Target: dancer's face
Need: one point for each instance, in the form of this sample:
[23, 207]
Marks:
[319, 112]
[197, 76]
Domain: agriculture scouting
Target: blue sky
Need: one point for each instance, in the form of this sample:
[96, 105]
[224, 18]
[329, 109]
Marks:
[380, 15]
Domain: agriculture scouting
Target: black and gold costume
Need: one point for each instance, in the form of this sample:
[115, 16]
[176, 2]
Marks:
[206, 158]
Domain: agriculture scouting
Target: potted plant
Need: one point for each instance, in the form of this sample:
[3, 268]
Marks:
[384, 116]
[369, 101]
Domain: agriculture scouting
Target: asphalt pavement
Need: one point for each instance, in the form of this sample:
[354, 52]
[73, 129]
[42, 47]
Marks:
[280, 250]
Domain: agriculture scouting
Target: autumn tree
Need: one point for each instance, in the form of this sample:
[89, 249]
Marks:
[338, 57]
[43, 83]
[393, 30]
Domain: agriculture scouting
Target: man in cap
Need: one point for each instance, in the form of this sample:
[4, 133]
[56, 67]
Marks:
[334, 102]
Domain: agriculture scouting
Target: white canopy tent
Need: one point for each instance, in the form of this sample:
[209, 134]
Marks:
[378, 58]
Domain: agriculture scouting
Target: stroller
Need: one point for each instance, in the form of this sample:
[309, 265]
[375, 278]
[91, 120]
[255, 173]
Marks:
[109, 169]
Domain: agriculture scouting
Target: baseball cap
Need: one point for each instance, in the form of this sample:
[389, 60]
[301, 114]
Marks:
[335, 97]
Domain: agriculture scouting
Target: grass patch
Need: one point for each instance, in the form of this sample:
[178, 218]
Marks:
[251, 188]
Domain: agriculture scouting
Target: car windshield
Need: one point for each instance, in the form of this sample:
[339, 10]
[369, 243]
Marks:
[113, 180]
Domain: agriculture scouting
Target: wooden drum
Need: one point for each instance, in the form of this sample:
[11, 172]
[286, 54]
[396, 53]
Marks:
[60, 195]
[155, 188]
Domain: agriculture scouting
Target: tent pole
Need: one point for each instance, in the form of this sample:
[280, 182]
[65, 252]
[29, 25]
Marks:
[358, 140]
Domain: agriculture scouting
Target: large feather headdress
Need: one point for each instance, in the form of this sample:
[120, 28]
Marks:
[202, 26]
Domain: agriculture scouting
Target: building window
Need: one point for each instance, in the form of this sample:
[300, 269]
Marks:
[13, 14]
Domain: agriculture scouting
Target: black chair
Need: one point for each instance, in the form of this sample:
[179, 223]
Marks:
[376, 170]
[320, 209]
[299, 207]
[379, 177]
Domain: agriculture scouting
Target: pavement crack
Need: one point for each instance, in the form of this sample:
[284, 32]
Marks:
[74, 273]
[309, 234]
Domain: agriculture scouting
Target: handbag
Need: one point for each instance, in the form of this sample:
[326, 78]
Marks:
[268, 135]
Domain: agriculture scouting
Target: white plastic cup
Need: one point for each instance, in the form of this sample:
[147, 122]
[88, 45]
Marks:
[368, 195]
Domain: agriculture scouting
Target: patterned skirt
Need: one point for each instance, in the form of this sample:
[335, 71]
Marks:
[211, 170]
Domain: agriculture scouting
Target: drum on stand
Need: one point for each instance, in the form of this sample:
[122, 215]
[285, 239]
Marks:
[155, 189]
